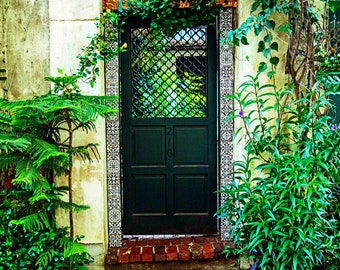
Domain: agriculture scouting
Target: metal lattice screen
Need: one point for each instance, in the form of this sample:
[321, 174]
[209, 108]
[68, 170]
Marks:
[169, 73]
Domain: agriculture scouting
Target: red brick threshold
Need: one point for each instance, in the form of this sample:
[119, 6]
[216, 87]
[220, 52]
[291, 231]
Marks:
[136, 250]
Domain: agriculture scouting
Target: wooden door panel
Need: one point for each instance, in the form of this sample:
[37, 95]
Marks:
[149, 195]
[148, 146]
[190, 193]
[191, 145]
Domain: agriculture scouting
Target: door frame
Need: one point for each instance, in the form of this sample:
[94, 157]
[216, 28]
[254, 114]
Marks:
[167, 220]
[224, 141]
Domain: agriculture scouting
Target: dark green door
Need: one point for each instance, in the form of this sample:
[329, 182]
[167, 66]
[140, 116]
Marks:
[169, 148]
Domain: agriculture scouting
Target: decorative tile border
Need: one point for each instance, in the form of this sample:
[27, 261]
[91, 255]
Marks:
[113, 136]
[113, 159]
[226, 128]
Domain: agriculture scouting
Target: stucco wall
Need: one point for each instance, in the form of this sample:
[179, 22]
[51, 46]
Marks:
[24, 47]
[247, 60]
[70, 23]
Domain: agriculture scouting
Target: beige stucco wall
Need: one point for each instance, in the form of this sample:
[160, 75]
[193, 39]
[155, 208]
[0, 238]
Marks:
[70, 23]
[24, 47]
[244, 66]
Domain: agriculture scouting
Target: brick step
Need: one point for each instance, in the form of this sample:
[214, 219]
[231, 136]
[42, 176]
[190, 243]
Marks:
[138, 250]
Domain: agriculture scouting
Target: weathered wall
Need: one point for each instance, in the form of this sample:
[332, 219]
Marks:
[24, 47]
[244, 67]
[70, 23]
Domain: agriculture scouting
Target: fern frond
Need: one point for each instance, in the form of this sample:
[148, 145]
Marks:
[71, 248]
[11, 142]
[94, 107]
[40, 189]
[84, 126]
[42, 151]
[45, 258]
[9, 159]
[85, 152]
[67, 206]
[5, 120]
[7, 105]
[26, 173]
[27, 117]
[36, 221]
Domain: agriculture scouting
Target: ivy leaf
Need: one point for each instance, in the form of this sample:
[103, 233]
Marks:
[274, 60]
[270, 24]
[271, 74]
[255, 5]
[266, 52]
[285, 28]
[260, 46]
[274, 46]
[244, 40]
[262, 67]
[258, 29]
[92, 83]
[268, 38]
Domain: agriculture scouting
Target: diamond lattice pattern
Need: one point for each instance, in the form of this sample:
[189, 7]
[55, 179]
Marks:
[169, 73]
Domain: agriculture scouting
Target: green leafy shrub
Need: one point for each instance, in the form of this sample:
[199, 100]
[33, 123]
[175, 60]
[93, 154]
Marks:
[283, 200]
[45, 246]
[36, 147]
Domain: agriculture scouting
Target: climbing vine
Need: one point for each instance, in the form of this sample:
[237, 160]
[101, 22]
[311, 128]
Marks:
[167, 17]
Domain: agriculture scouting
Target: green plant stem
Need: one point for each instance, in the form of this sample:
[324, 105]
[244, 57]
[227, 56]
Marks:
[69, 177]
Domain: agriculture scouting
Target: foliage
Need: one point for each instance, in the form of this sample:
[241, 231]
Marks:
[279, 210]
[169, 95]
[283, 201]
[36, 146]
[161, 92]
[167, 18]
[39, 247]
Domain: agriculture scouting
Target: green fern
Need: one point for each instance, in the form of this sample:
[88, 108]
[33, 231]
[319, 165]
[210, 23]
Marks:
[42, 151]
[36, 144]
[12, 142]
[45, 258]
[35, 221]
[26, 173]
